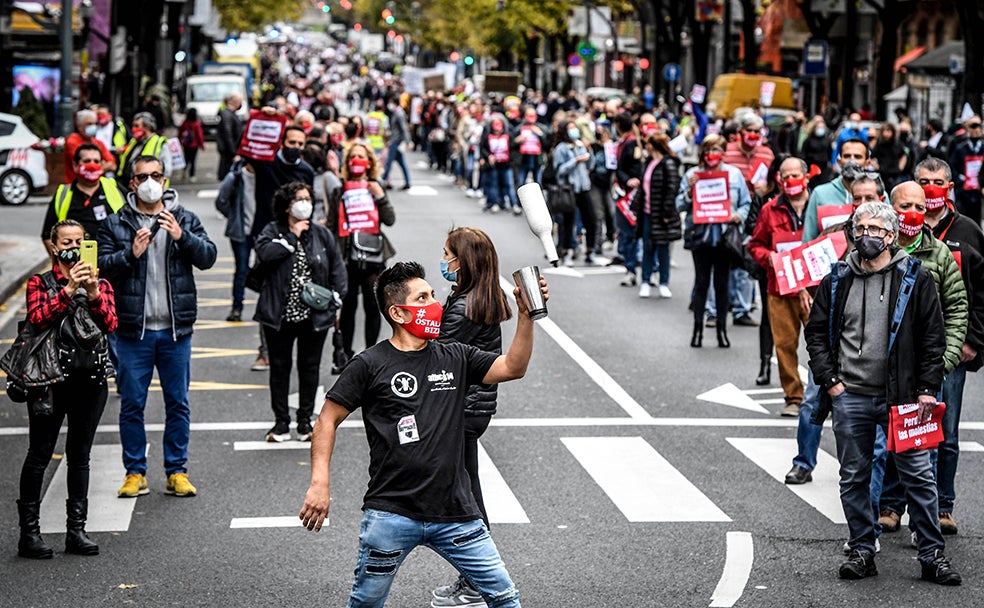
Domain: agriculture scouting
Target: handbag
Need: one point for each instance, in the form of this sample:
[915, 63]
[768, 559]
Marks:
[366, 248]
[733, 243]
[255, 277]
[560, 199]
[319, 298]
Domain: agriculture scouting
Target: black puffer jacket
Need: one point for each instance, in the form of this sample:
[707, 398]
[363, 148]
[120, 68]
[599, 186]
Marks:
[663, 185]
[275, 247]
[456, 327]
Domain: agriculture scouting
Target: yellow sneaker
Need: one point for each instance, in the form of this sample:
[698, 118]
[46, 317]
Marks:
[134, 485]
[178, 485]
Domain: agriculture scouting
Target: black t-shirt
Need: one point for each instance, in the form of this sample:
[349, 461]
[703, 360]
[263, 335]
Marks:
[413, 406]
[90, 212]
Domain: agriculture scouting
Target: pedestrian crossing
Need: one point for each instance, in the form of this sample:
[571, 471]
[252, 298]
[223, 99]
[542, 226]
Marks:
[638, 481]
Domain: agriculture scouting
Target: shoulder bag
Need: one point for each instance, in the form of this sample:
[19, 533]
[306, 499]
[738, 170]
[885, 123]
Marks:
[364, 248]
[319, 298]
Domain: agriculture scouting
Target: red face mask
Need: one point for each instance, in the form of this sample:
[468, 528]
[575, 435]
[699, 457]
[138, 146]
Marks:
[102, 120]
[794, 187]
[426, 323]
[911, 222]
[936, 196]
[713, 159]
[306, 126]
[531, 119]
[90, 171]
[750, 139]
[497, 126]
[358, 166]
[138, 133]
[338, 139]
[650, 128]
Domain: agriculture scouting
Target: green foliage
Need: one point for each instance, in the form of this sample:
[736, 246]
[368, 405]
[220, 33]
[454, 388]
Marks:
[251, 15]
[32, 113]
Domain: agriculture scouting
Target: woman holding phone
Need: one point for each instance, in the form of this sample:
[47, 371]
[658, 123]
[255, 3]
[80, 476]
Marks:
[71, 284]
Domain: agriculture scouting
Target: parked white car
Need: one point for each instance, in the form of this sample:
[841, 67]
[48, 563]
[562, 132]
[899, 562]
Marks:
[22, 168]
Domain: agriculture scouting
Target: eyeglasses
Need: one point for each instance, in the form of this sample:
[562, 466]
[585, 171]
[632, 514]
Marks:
[142, 177]
[875, 231]
[975, 125]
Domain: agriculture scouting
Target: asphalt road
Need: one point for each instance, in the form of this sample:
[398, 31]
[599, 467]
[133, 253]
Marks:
[609, 482]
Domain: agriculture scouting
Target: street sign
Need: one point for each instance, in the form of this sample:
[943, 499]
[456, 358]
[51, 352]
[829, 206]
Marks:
[671, 72]
[957, 64]
[815, 58]
[766, 92]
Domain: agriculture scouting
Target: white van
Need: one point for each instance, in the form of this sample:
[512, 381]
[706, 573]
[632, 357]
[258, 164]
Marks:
[206, 92]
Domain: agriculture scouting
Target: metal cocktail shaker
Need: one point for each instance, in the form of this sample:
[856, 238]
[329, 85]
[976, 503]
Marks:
[528, 281]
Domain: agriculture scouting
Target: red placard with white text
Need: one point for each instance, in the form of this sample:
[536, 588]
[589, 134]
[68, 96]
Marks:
[807, 265]
[905, 432]
[262, 135]
[712, 197]
[831, 215]
[357, 211]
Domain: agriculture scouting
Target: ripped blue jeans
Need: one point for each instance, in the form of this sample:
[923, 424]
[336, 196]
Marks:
[385, 540]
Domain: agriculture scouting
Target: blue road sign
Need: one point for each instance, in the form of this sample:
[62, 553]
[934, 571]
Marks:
[815, 58]
[671, 72]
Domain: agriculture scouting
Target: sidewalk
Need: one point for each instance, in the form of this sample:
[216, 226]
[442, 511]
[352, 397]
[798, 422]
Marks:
[21, 257]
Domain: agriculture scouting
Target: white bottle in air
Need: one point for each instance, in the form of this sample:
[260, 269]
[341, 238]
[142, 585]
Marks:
[538, 217]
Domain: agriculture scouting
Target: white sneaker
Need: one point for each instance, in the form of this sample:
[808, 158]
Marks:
[664, 292]
[629, 280]
[644, 290]
[846, 549]
[569, 259]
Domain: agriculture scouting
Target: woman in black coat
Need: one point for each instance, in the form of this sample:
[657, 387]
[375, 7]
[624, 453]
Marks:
[654, 205]
[292, 252]
[472, 315]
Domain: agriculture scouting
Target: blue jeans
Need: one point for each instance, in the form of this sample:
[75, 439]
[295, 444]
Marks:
[240, 253]
[394, 153]
[856, 419]
[807, 433]
[138, 358]
[628, 245]
[386, 539]
[529, 163]
[501, 186]
[742, 292]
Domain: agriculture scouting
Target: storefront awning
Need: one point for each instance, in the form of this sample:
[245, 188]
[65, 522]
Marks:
[906, 58]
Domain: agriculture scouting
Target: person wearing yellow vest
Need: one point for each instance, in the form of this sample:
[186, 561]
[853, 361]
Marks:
[89, 199]
[111, 132]
[376, 128]
[145, 142]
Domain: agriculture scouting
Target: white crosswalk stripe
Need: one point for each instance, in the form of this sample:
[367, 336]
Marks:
[500, 503]
[643, 485]
[107, 513]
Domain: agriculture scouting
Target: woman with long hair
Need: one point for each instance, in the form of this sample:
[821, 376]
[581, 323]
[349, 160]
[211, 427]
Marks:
[472, 315]
[573, 161]
[703, 239]
[81, 397]
[654, 205]
[360, 205]
[294, 251]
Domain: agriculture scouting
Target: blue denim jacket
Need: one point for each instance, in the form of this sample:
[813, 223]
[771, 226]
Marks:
[708, 235]
[569, 171]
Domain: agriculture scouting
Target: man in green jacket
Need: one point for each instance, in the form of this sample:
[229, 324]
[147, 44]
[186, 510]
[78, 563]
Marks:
[909, 201]
[850, 162]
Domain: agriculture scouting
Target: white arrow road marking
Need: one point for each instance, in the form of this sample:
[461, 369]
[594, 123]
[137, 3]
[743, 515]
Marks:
[500, 503]
[107, 513]
[643, 485]
[730, 395]
[737, 568]
[280, 521]
[775, 457]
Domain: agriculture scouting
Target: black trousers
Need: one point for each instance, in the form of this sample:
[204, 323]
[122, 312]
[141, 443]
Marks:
[706, 261]
[582, 200]
[474, 428]
[280, 344]
[360, 280]
[191, 156]
[82, 401]
[765, 327]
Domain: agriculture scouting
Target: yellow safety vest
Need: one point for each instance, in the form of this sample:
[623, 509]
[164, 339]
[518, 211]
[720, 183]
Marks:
[151, 148]
[376, 131]
[119, 135]
[63, 197]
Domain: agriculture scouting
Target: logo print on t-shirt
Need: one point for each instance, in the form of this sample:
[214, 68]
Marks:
[404, 384]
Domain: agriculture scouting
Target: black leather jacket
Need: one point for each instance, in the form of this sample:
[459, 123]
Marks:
[456, 327]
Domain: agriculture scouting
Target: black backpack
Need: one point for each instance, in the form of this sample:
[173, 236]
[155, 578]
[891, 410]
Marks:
[548, 177]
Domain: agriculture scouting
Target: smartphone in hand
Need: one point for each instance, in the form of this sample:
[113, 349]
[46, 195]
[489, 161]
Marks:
[90, 253]
[155, 225]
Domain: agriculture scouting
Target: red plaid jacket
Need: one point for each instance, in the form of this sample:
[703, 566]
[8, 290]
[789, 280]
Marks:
[44, 310]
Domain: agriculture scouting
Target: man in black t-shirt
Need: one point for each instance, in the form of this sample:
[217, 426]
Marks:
[412, 393]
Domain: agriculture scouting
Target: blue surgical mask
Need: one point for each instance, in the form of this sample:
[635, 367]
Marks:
[448, 274]
[574, 134]
[90, 130]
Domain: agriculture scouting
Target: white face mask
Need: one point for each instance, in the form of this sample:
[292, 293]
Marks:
[301, 209]
[150, 191]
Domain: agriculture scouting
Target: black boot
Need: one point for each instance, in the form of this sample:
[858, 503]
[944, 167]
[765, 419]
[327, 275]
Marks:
[31, 545]
[765, 371]
[698, 338]
[76, 540]
[723, 341]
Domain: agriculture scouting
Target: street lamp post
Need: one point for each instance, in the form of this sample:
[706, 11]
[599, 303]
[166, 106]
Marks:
[65, 102]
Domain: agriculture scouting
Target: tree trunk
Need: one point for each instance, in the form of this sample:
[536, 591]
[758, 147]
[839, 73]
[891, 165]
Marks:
[749, 46]
[890, 15]
[850, 50]
[972, 24]
[700, 50]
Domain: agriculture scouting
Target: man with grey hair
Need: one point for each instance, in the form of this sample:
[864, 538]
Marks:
[85, 133]
[876, 339]
[145, 142]
[229, 132]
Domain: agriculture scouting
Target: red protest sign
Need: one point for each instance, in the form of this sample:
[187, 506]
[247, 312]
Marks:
[806, 265]
[712, 197]
[907, 433]
[262, 135]
[831, 215]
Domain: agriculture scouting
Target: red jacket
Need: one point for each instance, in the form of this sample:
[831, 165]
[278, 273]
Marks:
[191, 135]
[776, 220]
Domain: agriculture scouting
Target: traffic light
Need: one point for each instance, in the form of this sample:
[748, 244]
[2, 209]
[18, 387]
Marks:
[469, 60]
[388, 16]
[618, 65]
[643, 63]
[454, 56]
[587, 50]
[326, 8]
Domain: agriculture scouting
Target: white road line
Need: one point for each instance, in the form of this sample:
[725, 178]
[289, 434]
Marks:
[500, 503]
[107, 513]
[643, 485]
[281, 521]
[422, 191]
[594, 371]
[207, 193]
[269, 446]
[762, 391]
[775, 457]
[737, 568]
[769, 401]
[970, 446]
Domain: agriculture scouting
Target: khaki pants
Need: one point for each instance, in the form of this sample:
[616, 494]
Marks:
[786, 317]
